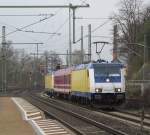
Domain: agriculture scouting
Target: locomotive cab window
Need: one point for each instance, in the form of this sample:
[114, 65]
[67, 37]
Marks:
[106, 71]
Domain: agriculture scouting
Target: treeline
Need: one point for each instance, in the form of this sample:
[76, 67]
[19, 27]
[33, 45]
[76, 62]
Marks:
[25, 71]
[133, 24]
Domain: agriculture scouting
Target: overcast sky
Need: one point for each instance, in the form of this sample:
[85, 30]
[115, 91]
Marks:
[98, 9]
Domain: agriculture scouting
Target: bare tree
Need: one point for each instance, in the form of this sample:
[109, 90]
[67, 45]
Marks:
[129, 19]
[52, 60]
[130, 24]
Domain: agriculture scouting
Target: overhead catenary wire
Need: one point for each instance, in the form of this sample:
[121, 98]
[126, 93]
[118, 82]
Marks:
[9, 25]
[20, 29]
[58, 29]
[39, 21]
[40, 32]
[32, 31]
[63, 24]
[84, 1]
[90, 18]
[101, 25]
[25, 15]
[63, 36]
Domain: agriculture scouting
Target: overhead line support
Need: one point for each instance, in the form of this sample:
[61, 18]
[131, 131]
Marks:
[4, 63]
[89, 43]
[45, 6]
[82, 50]
[74, 17]
[70, 6]
[74, 32]
[70, 43]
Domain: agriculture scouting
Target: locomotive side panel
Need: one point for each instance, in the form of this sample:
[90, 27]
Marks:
[49, 83]
[80, 81]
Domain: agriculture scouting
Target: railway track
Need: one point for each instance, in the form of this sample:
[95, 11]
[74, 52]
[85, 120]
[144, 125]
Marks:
[85, 126]
[103, 120]
[123, 115]
[137, 114]
[128, 117]
[131, 117]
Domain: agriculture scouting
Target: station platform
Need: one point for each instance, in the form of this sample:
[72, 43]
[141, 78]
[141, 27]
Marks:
[19, 117]
[11, 122]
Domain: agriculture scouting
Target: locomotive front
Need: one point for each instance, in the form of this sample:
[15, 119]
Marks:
[109, 83]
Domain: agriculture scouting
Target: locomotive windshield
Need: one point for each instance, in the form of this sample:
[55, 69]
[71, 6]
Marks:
[107, 73]
[106, 70]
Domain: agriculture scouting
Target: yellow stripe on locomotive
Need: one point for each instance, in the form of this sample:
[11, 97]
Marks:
[80, 80]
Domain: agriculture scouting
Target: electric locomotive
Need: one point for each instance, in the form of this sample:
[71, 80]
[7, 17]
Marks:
[99, 83]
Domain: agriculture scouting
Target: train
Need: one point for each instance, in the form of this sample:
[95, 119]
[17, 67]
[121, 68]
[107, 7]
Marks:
[99, 83]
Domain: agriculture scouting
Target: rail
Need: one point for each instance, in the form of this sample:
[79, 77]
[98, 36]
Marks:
[90, 121]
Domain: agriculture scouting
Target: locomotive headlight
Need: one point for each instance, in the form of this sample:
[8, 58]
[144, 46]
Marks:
[107, 80]
[117, 89]
[98, 90]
